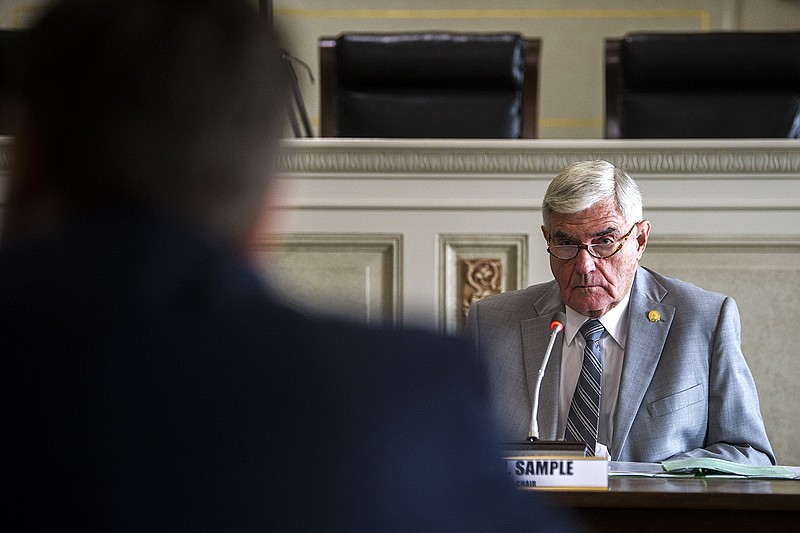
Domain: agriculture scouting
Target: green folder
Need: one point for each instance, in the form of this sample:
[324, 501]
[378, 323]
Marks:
[703, 466]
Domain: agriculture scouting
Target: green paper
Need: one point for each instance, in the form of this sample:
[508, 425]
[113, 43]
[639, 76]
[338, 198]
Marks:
[702, 466]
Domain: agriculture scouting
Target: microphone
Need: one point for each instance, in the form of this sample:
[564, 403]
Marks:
[556, 325]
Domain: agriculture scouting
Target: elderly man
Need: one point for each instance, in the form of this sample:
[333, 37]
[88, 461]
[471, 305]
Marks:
[648, 368]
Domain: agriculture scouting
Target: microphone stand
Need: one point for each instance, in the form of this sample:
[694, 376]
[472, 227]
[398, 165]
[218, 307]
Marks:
[556, 326]
[534, 446]
[298, 106]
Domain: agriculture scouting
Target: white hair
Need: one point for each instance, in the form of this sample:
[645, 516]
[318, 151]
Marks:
[585, 183]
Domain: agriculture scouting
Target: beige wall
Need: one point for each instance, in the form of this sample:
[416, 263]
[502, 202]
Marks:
[572, 31]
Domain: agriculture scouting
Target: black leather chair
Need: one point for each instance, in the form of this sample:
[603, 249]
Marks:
[429, 85]
[702, 85]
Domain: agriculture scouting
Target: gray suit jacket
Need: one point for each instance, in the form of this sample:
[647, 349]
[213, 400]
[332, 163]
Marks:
[685, 388]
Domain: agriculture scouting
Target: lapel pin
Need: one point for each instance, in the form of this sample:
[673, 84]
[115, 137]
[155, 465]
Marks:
[654, 316]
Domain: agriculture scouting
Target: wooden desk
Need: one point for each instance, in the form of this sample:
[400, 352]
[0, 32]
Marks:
[654, 505]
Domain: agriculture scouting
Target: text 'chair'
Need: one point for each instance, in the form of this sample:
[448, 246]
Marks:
[429, 85]
[702, 85]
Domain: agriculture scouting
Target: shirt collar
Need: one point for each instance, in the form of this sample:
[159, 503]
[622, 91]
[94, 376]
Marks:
[615, 321]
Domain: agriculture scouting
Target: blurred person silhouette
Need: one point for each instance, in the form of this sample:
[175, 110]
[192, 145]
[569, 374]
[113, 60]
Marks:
[150, 380]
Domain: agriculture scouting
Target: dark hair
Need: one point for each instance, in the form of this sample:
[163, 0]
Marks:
[175, 103]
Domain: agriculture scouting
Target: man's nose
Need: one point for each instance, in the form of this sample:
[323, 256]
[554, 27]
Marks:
[584, 262]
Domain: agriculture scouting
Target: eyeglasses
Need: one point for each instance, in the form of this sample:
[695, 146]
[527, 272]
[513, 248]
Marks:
[602, 250]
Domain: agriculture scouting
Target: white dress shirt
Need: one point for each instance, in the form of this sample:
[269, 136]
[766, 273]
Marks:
[612, 349]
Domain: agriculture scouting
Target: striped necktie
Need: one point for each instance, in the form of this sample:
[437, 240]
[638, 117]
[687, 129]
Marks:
[584, 411]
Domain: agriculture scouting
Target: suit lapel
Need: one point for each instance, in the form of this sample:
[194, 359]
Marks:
[645, 341]
[535, 337]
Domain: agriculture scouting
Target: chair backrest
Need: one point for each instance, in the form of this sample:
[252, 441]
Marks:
[429, 85]
[702, 85]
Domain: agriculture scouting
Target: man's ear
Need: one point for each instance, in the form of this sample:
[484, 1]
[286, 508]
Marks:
[545, 234]
[642, 236]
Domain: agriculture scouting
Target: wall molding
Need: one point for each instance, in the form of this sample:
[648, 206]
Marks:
[526, 159]
[725, 243]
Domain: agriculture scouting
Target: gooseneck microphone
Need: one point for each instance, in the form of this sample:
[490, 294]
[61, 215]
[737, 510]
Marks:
[556, 325]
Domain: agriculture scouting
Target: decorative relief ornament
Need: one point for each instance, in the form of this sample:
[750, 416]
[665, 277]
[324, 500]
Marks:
[482, 278]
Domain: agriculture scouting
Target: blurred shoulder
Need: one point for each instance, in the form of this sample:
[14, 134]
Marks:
[384, 342]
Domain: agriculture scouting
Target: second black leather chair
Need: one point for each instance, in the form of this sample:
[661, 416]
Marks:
[702, 85]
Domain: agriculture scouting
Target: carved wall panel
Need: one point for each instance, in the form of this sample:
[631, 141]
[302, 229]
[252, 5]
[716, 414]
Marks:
[473, 266]
[763, 275]
[354, 275]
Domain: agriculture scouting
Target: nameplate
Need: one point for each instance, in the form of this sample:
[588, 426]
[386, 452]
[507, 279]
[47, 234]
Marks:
[558, 472]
